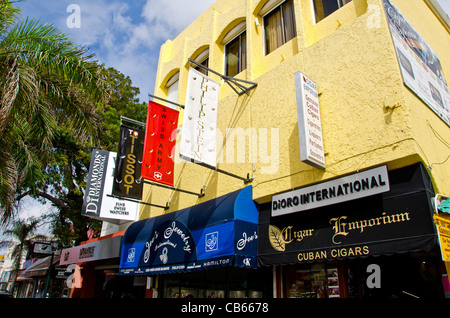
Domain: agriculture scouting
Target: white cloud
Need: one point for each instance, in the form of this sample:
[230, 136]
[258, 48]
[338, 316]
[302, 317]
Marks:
[126, 35]
[175, 15]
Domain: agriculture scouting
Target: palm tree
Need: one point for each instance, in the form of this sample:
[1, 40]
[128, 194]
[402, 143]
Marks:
[23, 233]
[46, 82]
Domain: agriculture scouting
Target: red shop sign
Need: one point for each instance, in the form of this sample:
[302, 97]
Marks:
[160, 141]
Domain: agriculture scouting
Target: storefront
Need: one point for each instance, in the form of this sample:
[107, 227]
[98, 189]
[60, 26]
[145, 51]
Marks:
[93, 270]
[367, 234]
[208, 250]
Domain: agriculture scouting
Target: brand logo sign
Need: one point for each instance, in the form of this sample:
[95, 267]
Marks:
[352, 187]
[199, 134]
[127, 175]
[160, 141]
[309, 122]
[171, 243]
[98, 202]
[340, 227]
[95, 183]
[212, 242]
[131, 255]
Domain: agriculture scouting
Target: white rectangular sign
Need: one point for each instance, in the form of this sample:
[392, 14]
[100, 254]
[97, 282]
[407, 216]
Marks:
[199, 132]
[421, 67]
[309, 122]
[355, 186]
[98, 201]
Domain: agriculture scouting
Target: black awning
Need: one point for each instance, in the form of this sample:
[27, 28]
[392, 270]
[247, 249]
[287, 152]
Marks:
[394, 222]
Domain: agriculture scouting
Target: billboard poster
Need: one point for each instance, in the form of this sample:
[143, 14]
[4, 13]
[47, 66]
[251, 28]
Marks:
[160, 141]
[199, 133]
[309, 122]
[420, 66]
[127, 175]
[98, 200]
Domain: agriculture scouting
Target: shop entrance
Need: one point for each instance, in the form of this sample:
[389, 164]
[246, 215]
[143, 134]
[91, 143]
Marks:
[219, 283]
[409, 275]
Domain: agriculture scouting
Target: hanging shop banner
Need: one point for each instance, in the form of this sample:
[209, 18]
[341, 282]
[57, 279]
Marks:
[420, 66]
[397, 221]
[309, 122]
[199, 133]
[217, 233]
[348, 188]
[443, 228]
[98, 200]
[160, 142]
[127, 175]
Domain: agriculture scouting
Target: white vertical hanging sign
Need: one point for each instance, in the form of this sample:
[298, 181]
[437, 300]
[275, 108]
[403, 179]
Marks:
[199, 132]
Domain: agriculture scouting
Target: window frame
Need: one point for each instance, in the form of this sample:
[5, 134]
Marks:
[340, 4]
[172, 84]
[278, 6]
[203, 59]
[238, 36]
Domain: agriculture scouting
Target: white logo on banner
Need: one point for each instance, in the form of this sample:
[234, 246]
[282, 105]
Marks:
[212, 241]
[199, 134]
[157, 175]
[131, 255]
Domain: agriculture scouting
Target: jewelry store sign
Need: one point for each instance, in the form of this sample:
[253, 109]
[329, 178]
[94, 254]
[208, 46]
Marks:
[352, 187]
[309, 122]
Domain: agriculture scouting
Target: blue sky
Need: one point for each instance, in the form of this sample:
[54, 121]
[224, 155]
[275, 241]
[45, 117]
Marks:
[126, 35]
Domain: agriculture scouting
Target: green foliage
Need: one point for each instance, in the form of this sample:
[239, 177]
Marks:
[56, 105]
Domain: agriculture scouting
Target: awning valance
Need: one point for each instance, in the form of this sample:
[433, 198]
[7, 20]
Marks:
[220, 232]
[39, 268]
[397, 221]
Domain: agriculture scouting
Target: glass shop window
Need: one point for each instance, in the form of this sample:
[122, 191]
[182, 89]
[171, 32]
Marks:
[323, 8]
[313, 281]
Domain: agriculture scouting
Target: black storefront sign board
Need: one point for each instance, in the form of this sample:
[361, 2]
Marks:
[394, 222]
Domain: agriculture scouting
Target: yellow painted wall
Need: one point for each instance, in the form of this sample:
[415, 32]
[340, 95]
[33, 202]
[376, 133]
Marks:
[369, 117]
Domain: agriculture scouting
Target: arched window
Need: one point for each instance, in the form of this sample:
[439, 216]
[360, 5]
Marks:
[172, 88]
[235, 42]
[203, 59]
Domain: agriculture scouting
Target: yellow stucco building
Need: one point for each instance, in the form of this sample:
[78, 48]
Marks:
[371, 116]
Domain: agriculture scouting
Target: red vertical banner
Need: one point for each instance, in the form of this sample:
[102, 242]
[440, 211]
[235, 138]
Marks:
[160, 141]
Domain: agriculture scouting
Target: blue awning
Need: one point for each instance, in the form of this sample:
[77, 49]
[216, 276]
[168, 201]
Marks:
[217, 233]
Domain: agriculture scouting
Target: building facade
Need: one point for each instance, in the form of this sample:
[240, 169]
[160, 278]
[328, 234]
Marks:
[338, 131]
[371, 116]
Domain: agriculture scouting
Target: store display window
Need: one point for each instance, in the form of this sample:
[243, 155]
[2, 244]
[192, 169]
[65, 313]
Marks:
[312, 281]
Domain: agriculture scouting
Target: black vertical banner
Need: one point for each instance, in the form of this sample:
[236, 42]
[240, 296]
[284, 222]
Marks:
[95, 184]
[127, 175]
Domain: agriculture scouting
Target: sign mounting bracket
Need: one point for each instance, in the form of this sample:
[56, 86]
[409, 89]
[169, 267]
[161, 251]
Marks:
[138, 201]
[239, 89]
[201, 194]
[165, 100]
